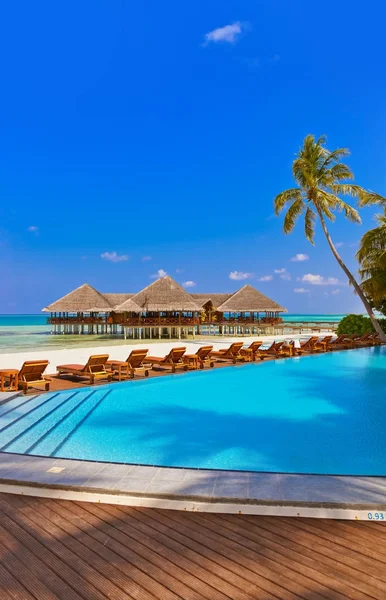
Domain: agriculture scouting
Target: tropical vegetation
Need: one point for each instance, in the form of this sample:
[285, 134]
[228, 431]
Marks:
[358, 325]
[372, 259]
[321, 180]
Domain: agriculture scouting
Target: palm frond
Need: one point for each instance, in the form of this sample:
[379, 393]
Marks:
[309, 224]
[334, 156]
[327, 203]
[293, 213]
[351, 213]
[369, 198]
[375, 284]
[326, 211]
[373, 244]
[349, 189]
[322, 140]
[339, 172]
[284, 197]
[302, 172]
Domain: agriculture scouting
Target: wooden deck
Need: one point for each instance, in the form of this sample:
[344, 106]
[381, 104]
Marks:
[53, 549]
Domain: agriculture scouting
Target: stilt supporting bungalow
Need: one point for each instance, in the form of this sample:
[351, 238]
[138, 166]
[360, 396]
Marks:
[163, 309]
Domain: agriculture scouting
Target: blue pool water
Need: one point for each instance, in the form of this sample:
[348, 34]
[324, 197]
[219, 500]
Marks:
[317, 414]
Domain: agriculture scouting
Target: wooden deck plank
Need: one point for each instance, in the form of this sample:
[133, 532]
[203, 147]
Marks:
[176, 545]
[235, 557]
[300, 559]
[365, 537]
[44, 582]
[330, 545]
[185, 583]
[53, 549]
[11, 588]
[87, 582]
[293, 575]
[308, 557]
[93, 566]
[121, 553]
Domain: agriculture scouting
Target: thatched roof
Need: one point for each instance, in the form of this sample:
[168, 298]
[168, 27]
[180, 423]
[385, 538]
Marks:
[216, 299]
[164, 294]
[84, 299]
[117, 299]
[128, 306]
[248, 299]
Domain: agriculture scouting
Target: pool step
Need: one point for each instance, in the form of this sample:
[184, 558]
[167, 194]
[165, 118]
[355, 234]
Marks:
[34, 404]
[40, 409]
[50, 445]
[18, 402]
[38, 420]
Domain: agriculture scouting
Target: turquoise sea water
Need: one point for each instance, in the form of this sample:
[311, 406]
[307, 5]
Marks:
[320, 414]
[31, 332]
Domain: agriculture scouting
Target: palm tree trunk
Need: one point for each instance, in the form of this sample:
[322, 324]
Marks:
[355, 284]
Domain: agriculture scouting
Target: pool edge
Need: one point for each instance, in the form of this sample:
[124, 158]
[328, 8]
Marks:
[232, 492]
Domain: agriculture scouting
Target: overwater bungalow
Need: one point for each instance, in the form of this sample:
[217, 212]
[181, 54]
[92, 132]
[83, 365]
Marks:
[163, 309]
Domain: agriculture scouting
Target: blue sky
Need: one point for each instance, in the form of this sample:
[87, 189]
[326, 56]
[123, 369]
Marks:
[138, 130]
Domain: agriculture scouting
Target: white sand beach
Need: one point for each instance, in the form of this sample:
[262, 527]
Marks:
[80, 355]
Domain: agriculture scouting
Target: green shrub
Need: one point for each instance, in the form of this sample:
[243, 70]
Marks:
[358, 324]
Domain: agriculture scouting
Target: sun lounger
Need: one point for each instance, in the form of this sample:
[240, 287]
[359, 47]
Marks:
[95, 368]
[134, 365]
[374, 339]
[322, 344]
[276, 349]
[31, 375]
[233, 353]
[368, 339]
[252, 351]
[342, 342]
[200, 359]
[308, 346]
[173, 360]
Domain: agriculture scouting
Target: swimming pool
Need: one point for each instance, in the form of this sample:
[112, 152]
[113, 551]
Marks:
[323, 414]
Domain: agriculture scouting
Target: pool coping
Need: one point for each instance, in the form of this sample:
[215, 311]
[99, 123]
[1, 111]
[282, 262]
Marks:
[348, 497]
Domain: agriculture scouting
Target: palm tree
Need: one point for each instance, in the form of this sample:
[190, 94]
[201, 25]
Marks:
[322, 179]
[372, 258]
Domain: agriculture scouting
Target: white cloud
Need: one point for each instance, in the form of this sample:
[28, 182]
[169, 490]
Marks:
[319, 279]
[179, 270]
[160, 273]
[33, 229]
[339, 244]
[239, 275]
[114, 257]
[283, 274]
[228, 33]
[145, 258]
[189, 284]
[266, 278]
[335, 292]
[300, 258]
[300, 291]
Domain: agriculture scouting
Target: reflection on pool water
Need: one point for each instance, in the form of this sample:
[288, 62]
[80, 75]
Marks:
[315, 414]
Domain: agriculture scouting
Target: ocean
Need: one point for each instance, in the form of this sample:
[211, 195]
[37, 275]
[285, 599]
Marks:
[19, 333]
